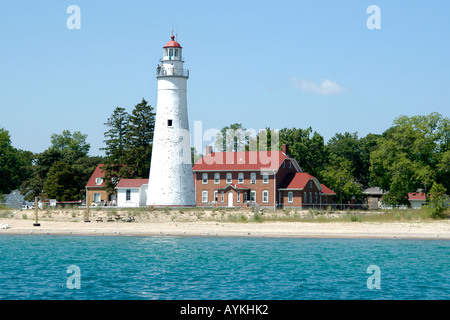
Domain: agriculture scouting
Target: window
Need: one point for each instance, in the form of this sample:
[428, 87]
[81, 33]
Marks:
[166, 52]
[170, 52]
[204, 196]
[252, 178]
[205, 178]
[216, 178]
[97, 197]
[315, 197]
[310, 197]
[265, 196]
[169, 122]
[245, 196]
[310, 184]
[221, 196]
[252, 195]
[175, 52]
[305, 197]
[238, 196]
[216, 196]
[228, 177]
[290, 165]
[240, 177]
[128, 195]
[265, 178]
[326, 199]
[290, 197]
[98, 181]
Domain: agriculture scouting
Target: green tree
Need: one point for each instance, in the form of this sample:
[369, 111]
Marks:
[232, 138]
[68, 148]
[339, 176]
[307, 148]
[61, 183]
[13, 164]
[139, 139]
[437, 201]
[72, 146]
[115, 149]
[411, 155]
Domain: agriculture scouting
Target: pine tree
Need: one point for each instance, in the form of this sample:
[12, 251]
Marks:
[115, 149]
[139, 139]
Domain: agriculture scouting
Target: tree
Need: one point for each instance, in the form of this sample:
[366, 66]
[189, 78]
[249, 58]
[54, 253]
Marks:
[411, 155]
[13, 164]
[72, 146]
[139, 139]
[115, 149]
[232, 138]
[437, 201]
[61, 183]
[307, 148]
[68, 148]
[338, 175]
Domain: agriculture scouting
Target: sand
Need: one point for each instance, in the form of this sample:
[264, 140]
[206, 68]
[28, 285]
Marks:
[66, 223]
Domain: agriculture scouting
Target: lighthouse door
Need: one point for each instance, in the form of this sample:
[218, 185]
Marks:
[230, 199]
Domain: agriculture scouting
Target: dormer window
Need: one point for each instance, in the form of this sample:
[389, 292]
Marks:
[98, 181]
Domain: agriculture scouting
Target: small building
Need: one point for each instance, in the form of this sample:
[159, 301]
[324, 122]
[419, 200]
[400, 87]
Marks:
[305, 191]
[96, 190]
[373, 197]
[132, 192]
[417, 199]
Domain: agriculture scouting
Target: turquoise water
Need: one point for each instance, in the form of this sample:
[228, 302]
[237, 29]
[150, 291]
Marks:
[35, 267]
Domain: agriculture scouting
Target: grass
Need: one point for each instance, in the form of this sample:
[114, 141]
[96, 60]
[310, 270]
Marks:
[219, 214]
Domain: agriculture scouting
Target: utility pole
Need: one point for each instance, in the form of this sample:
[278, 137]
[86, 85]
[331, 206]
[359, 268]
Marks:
[36, 224]
[86, 219]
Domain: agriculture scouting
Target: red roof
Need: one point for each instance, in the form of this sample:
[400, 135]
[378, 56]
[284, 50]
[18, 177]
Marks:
[97, 174]
[299, 181]
[242, 161]
[131, 183]
[326, 190]
[416, 196]
[172, 43]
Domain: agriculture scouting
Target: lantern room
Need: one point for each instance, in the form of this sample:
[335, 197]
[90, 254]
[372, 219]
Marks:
[172, 50]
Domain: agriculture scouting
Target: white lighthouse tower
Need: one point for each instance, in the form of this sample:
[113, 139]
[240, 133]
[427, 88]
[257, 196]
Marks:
[171, 180]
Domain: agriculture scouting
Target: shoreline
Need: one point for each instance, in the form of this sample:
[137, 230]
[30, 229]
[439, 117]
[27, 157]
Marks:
[435, 230]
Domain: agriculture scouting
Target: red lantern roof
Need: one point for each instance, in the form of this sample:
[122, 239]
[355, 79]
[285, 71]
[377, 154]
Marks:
[172, 43]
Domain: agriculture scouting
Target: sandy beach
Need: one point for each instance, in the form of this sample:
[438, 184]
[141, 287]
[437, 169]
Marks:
[190, 224]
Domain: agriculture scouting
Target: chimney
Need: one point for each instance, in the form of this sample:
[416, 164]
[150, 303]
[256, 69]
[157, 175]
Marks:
[285, 149]
[208, 150]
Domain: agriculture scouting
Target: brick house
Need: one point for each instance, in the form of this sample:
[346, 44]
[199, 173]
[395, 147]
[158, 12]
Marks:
[263, 177]
[96, 190]
[304, 191]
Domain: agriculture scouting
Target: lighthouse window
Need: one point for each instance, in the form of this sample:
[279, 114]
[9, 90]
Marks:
[175, 52]
[169, 122]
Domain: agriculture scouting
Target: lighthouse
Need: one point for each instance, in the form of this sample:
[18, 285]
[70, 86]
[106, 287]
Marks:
[171, 180]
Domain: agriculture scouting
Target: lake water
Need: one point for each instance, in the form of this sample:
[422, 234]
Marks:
[172, 268]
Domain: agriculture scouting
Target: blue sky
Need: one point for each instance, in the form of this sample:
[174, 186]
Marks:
[261, 63]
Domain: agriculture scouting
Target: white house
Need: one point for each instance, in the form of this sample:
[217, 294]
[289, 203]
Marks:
[132, 192]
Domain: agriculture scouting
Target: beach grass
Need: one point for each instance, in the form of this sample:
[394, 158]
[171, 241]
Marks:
[236, 215]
